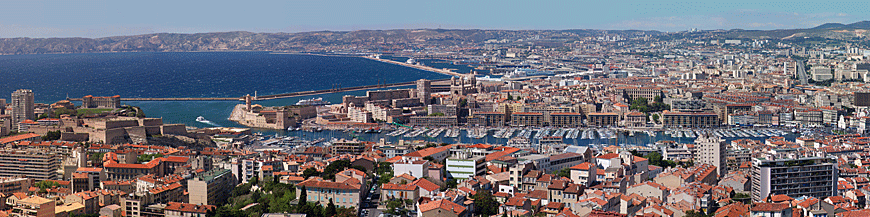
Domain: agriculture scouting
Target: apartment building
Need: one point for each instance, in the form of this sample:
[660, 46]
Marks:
[602, 119]
[813, 177]
[465, 166]
[527, 119]
[29, 163]
[211, 188]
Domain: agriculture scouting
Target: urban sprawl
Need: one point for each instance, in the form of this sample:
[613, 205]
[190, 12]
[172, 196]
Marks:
[776, 128]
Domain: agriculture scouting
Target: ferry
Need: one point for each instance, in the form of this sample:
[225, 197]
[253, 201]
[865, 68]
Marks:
[313, 101]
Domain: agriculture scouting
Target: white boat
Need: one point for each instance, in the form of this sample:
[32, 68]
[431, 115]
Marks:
[313, 101]
[204, 121]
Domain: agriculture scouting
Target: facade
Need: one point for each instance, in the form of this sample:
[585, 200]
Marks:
[465, 166]
[711, 150]
[348, 193]
[30, 163]
[494, 119]
[566, 119]
[584, 174]
[814, 177]
[351, 147]
[434, 121]
[211, 188]
[174, 209]
[524, 119]
[603, 119]
[34, 206]
[22, 106]
[101, 101]
[696, 120]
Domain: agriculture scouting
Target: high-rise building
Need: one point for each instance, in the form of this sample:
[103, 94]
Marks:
[424, 91]
[30, 163]
[2, 106]
[814, 177]
[22, 106]
[709, 149]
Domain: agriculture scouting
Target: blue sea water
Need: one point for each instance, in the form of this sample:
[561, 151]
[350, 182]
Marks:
[53, 77]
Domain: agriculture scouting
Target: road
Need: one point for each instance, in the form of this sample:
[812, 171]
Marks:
[801, 71]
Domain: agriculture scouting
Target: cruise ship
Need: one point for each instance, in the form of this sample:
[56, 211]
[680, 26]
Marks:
[313, 101]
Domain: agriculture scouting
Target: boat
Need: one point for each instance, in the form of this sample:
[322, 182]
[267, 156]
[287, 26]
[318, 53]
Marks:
[313, 101]
[205, 121]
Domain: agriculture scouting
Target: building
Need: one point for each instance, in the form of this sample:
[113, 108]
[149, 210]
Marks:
[9, 185]
[527, 119]
[88, 178]
[29, 163]
[813, 177]
[22, 106]
[119, 171]
[566, 119]
[34, 206]
[101, 101]
[434, 121]
[711, 150]
[174, 209]
[441, 208]
[584, 174]
[347, 193]
[694, 120]
[211, 188]
[603, 119]
[424, 91]
[343, 146]
[465, 165]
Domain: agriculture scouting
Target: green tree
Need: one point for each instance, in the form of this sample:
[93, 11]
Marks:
[51, 136]
[485, 203]
[45, 184]
[310, 172]
[510, 98]
[303, 197]
[330, 209]
[564, 172]
[655, 118]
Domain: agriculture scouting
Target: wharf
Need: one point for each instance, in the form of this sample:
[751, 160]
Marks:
[420, 67]
[275, 96]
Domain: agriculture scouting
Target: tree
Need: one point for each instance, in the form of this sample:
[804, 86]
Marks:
[485, 204]
[310, 172]
[45, 184]
[51, 135]
[330, 209]
[509, 97]
[303, 197]
[564, 172]
[429, 158]
[655, 118]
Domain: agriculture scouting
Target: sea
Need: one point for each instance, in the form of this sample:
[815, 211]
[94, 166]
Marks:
[54, 77]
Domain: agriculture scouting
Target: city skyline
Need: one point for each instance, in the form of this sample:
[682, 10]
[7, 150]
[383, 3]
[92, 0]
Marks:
[41, 19]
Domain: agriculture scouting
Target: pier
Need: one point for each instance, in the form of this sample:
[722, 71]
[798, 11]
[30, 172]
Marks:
[420, 67]
[274, 96]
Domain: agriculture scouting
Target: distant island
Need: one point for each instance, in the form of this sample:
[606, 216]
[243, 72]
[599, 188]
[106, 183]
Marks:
[326, 41]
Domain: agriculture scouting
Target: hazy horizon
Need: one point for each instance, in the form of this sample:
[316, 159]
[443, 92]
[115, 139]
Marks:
[62, 19]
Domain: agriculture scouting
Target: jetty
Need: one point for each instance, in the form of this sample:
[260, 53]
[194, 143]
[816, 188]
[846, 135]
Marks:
[420, 67]
[274, 96]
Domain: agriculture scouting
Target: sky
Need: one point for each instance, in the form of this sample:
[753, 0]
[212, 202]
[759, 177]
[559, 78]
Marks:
[96, 18]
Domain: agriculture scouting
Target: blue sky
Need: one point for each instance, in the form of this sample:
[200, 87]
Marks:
[92, 18]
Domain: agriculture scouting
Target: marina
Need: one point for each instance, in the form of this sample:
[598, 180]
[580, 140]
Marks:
[568, 136]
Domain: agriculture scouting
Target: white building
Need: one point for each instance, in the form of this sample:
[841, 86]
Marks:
[462, 166]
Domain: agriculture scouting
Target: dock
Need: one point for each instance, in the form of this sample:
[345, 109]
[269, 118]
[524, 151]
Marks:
[420, 67]
[274, 96]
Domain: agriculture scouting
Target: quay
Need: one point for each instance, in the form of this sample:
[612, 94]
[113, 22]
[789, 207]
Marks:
[420, 67]
[274, 96]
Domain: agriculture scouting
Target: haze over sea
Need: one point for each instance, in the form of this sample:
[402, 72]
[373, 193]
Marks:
[187, 74]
